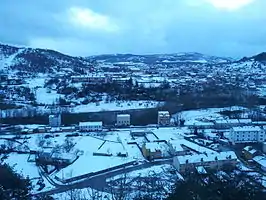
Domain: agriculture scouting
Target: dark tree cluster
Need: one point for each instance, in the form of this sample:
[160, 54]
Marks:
[13, 185]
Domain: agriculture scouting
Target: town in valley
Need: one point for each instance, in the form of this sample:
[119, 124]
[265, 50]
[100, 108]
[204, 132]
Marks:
[94, 122]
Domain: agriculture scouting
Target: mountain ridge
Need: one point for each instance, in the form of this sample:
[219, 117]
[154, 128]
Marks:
[37, 60]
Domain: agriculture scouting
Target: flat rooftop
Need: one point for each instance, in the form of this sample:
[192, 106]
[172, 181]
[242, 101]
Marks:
[90, 123]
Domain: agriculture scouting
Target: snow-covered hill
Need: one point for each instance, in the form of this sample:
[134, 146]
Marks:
[162, 58]
[38, 60]
[30, 60]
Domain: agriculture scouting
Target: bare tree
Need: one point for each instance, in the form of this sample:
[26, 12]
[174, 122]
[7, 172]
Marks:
[68, 145]
[40, 140]
[10, 144]
[118, 188]
[74, 194]
[56, 149]
[93, 194]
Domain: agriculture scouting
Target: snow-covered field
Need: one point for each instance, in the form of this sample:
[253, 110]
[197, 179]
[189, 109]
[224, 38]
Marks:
[22, 166]
[43, 97]
[115, 106]
[112, 143]
[193, 116]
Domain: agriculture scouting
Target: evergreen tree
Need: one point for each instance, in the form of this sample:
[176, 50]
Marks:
[13, 185]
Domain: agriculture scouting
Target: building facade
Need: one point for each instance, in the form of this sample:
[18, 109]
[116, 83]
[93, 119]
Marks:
[163, 118]
[247, 134]
[123, 120]
[152, 150]
[212, 161]
[90, 126]
[55, 120]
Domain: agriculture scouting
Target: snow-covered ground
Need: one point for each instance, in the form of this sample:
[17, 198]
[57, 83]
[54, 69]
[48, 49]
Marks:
[192, 116]
[147, 172]
[43, 97]
[22, 166]
[88, 163]
[115, 106]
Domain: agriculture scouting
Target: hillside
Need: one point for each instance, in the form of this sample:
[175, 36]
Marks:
[38, 60]
[161, 58]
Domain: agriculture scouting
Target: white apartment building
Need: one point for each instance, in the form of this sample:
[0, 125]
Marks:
[90, 126]
[55, 120]
[163, 118]
[123, 120]
[247, 134]
[215, 160]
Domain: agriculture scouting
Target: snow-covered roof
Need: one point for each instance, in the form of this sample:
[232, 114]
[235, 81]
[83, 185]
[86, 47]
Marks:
[221, 121]
[233, 121]
[245, 121]
[198, 123]
[138, 130]
[176, 145]
[153, 146]
[259, 122]
[250, 149]
[162, 113]
[201, 170]
[246, 128]
[90, 123]
[260, 160]
[89, 76]
[197, 158]
[123, 115]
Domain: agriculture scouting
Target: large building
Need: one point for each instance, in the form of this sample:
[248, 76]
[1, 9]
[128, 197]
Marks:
[247, 134]
[123, 120]
[90, 126]
[163, 118]
[55, 120]
[229, 123]
[212, 161]
[152, 150]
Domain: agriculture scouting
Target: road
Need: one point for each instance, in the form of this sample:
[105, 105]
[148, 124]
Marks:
[98, 182]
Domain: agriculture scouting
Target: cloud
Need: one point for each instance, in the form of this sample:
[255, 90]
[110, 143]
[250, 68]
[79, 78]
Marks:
[85, 27]
[230, 4]
[86, 18]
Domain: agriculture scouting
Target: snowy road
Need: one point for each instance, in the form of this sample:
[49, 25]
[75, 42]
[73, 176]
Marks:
[98, 182]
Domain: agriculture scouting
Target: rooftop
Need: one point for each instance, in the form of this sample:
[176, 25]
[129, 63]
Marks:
[154, 146]
[201, 170]
[90, 123]
[123, 115]
[89, 76]
[176, 145]
[260, 160]
[245, 121]
[246, 128]
[198, 123]
[163, 113]
[197, 158]
[233, 121]
[250, 149]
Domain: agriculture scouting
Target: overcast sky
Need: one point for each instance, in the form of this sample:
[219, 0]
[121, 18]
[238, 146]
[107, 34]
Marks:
[232, 28]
